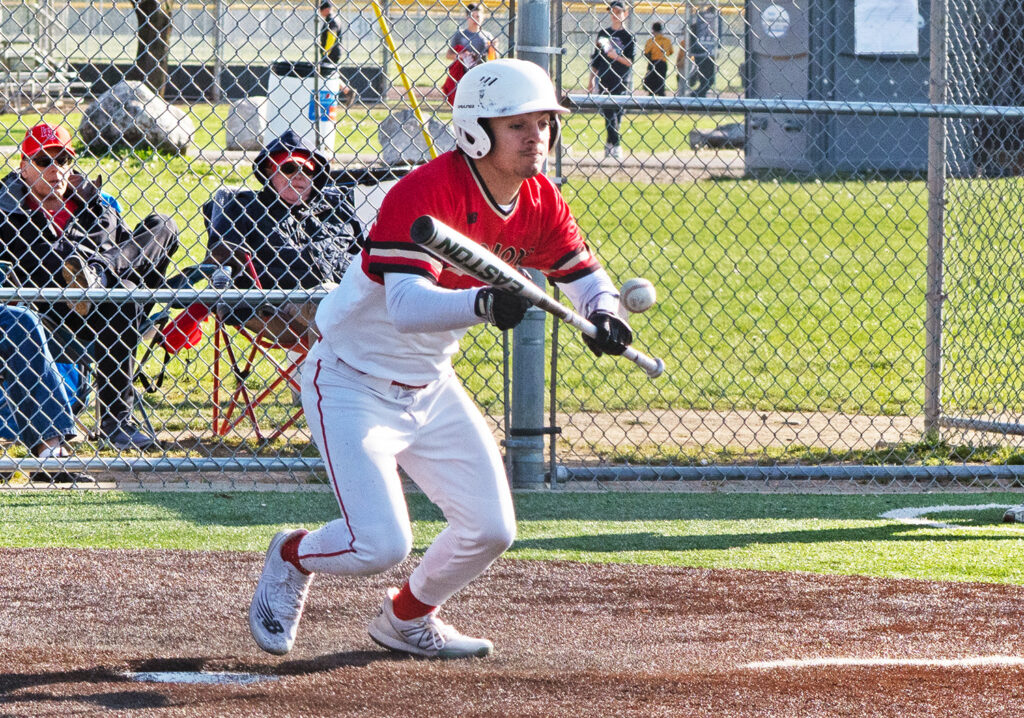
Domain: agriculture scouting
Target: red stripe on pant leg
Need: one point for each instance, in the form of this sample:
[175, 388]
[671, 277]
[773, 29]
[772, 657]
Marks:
[330, 469]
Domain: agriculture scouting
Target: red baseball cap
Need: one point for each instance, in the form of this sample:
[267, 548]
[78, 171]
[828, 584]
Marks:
[299, 157]
[45, 135]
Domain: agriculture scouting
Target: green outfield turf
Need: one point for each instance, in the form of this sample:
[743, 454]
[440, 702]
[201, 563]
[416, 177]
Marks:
[779, 532]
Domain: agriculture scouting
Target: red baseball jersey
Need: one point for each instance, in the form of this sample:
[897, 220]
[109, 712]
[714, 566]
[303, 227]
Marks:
[538, 231]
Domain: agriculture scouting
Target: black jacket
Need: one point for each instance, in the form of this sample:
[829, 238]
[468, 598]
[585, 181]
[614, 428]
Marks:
[36, 253]
[33, 247]
[330, 33]
[290, 247]
[612, 76]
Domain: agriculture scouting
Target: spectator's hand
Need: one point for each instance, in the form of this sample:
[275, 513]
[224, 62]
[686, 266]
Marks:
[613, 334]
[230, 255]
[85, 190]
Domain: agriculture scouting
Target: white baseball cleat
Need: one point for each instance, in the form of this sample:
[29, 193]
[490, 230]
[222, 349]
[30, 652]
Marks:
[425, 636]
[1014, 515]
[277, 604]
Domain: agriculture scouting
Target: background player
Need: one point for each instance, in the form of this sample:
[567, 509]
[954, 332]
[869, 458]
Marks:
[379, 388]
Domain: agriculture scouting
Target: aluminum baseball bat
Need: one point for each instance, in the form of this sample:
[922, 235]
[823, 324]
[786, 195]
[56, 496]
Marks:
[453, 247]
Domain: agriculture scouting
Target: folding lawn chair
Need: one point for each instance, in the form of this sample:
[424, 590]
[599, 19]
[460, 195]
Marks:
[162, 332]
[237, 351]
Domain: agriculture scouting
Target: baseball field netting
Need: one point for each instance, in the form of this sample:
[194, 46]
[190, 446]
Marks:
[828, 227]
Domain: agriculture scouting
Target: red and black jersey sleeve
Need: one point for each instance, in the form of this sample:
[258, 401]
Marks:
[389, 247]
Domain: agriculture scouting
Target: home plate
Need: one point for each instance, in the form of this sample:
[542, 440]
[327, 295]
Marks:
[966, 662]
[216, 678]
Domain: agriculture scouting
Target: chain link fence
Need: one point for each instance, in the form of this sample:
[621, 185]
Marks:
[824, 196]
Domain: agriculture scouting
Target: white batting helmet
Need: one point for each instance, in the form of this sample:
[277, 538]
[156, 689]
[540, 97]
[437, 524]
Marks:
[500, 88]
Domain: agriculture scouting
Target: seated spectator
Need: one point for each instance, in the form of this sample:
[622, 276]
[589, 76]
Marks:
[57, 229]
[39, 410]
[295, 232]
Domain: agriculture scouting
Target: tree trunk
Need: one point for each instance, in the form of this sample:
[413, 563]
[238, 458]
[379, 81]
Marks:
[154, 47]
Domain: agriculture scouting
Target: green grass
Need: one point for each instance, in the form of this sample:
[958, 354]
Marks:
[791, 295]
[816, 533]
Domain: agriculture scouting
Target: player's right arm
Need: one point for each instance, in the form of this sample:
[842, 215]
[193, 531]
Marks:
[417, 299]
[415, 304]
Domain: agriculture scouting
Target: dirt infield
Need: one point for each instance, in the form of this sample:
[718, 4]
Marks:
[571, 640]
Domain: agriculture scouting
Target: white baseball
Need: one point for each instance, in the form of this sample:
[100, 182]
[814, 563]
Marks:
[637, 295]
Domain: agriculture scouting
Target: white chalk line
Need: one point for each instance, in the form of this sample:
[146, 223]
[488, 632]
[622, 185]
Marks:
[965, 662]
[193, 677]
[914, 515]
[917, 515]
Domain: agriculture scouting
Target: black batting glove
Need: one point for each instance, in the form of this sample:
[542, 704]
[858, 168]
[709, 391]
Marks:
[613, 334]
[502, 309]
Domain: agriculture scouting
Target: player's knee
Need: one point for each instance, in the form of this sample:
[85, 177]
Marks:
[385, 553]
[494, 538]
[25, 323]
[22, 318]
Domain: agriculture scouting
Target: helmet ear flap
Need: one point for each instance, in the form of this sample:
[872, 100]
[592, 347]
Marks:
[556, 130]
[473, 138]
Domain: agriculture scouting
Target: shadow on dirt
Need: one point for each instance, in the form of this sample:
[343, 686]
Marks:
[319, 664]
[11, 683]
[647, 541]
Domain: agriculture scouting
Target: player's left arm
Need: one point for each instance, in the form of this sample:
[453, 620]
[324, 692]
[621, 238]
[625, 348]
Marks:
[595, 296]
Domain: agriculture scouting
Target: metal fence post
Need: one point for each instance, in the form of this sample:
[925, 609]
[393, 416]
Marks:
[525, 435]
[936, 213]
[45, 21]
[218, 52]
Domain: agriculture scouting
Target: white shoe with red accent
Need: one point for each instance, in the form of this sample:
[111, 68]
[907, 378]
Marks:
[427, 636]
[277, 604]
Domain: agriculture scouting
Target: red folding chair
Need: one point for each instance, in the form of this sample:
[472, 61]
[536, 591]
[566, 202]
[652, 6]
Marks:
[239, 362]
[171, 335]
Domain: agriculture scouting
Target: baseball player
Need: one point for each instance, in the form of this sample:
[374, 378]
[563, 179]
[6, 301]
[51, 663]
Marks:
[379, 389]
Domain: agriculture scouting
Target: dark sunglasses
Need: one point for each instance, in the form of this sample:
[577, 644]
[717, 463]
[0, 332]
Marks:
[291, 168]
[43, 160]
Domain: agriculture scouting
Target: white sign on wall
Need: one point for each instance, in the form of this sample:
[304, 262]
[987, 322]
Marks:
[885, 27]
[775, 20]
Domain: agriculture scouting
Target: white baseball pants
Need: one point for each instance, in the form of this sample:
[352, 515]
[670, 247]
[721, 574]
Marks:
[365, 427]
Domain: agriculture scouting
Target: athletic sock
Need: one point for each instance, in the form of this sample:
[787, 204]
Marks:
[290, 550]
[51, 452]
[407, 607]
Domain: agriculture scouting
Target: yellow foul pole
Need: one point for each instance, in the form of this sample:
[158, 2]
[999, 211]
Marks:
[405, 79]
